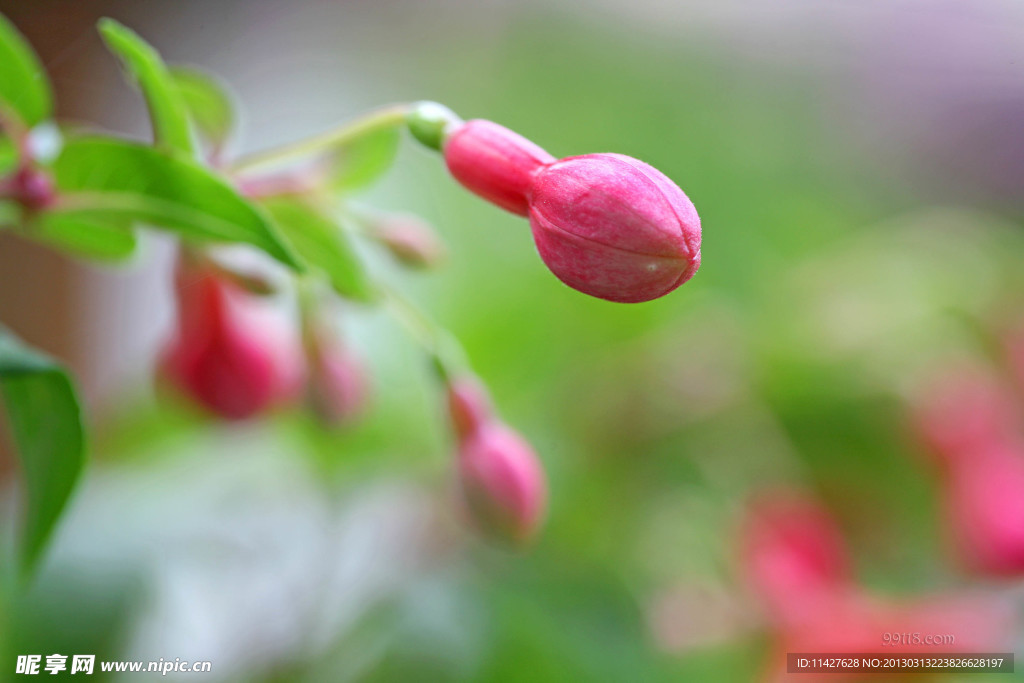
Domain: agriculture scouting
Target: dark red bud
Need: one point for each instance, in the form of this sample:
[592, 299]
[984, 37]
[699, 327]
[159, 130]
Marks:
[34, 189]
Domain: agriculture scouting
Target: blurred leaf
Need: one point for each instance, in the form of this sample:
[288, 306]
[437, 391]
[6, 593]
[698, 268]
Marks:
[166, 106]
[363, 161]
[323, 243]
[8, 155]
[109, 239]
[106, 178]
[208, 103]
[24, 87]
[45, 420]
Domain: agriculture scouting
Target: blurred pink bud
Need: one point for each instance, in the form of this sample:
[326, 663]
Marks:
[793, 555]
[34, 189]
[410, 240]
[337, 386]
[985, 506]
[607, 225]
[960, 410]
[468, 405]
[227, 353]
[502, 483]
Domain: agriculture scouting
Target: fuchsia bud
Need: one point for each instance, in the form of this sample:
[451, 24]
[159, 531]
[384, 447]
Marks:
[794, 555]
[501, 479]
[227, 353]
[34, 188]
[410, 240]
[468, 405]
[607, 225]
[985, 506]
[961, 409]
[337, 387]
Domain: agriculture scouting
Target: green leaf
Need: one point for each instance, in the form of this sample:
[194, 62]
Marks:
[324, 244]
[8, 155]
[208, 103]
[24, 87]
[102, 177]
[143, 63]
[111, 239]
[364, 160]
[46, 424]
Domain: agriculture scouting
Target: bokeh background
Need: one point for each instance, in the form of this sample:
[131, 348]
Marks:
[858, 168]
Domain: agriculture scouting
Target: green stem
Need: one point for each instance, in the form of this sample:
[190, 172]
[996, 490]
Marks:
[380, 119]
[445, 352]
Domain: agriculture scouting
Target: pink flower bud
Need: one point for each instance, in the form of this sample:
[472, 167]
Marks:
[985, 506]
[793, 555]
[605, 224]
[337, 387]
[502, 482]
[34, 189]
[227, 353]
[960, 410]
[468, 405]
[410, 240]
[493, 162]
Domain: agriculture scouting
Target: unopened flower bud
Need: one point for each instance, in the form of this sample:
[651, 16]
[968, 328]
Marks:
[337, 387]
[34, 189]
[793, 555]
[985, 505]
[607, 225]
[228, 354]
[495, 163]
[468, 405]
[960, 410]
[502, 482]
[410, 240]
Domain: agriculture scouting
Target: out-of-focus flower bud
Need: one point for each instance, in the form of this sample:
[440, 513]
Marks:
[468, 405]
[502, 482]
[337, 386]
[793, 555]
[228, 353]
[961, 410]
[985, 506]
[33, 188]
[501, 479]
[607, 225]
[410, 240]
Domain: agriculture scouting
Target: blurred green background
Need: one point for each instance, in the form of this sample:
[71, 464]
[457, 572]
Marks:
[838, 264]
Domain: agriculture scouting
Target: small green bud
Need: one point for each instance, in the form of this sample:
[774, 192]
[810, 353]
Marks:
[430, 123]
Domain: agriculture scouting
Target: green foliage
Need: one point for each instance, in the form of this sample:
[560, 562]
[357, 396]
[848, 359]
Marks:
[103, 178]
[167, 108]
[24, 88]
[323, 243]
[208, 103]
[364, 160]
[45, 421]
[107, 238]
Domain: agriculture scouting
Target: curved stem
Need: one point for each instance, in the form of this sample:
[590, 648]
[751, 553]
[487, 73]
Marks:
[445, 353]
[386, 117]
